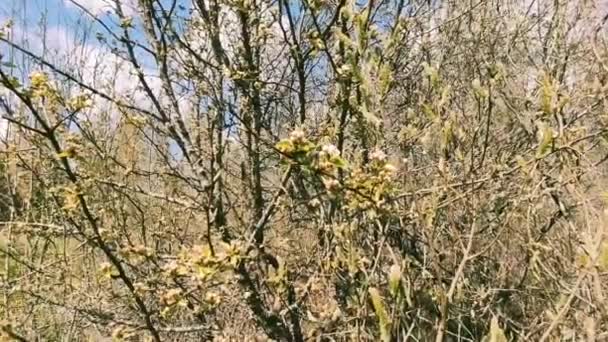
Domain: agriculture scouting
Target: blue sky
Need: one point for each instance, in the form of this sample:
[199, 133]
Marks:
[69, 34]
[67, 25]
[63, 22]
[71, 43]
[28, 13]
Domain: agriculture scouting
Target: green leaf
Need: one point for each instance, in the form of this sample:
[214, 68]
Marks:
[306, 147]
[285, 146]
[546, 140]
[382, 314]
[603, 257]
[547, 95]
[339, 162]
[478, 89]
[432, 74]
[394, 279]
[496, 334]
[428, 110]
[12, 83]
[126, 22]
[386, 78]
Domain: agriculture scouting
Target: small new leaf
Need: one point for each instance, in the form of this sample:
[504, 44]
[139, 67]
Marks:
[383, 318]
[496, 334]
[126, 23]
[69, 152]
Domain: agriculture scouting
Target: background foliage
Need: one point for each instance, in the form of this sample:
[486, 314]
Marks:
[296, 170]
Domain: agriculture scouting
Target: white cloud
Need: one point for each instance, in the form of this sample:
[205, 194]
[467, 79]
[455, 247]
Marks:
[100, 7]
[4, 93]
[90, 62]
[3, 130]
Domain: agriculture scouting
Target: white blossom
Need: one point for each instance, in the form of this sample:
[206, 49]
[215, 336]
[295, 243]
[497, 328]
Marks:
[297, 134]
[331, 150]
[390, 168]
[378, 155]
